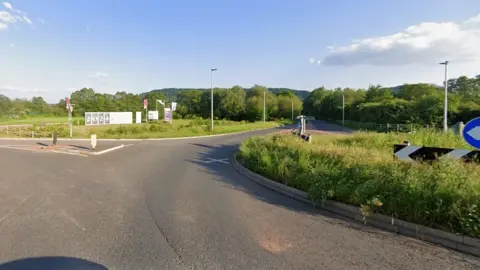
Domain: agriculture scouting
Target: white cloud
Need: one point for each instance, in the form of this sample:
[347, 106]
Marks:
[99, 75]
[314, 61]
[425, 43]
[8, 5]
[6, 17]
[12, 45]
[26, 19]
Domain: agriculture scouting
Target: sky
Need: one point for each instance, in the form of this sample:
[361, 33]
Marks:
[54, 47]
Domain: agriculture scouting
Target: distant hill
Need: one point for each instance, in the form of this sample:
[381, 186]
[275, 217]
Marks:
[171, 93]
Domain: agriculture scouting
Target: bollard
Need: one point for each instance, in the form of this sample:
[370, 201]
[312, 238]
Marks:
[93, 141]
[309, 138]
[54, 138]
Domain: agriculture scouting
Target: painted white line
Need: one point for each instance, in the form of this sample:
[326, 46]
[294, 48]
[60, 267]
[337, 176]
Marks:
[65, 152]
[107, 150]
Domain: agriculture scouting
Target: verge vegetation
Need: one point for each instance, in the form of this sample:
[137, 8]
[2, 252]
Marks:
[360, 170]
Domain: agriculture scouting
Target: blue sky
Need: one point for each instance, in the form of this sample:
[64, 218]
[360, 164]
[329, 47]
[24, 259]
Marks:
[51, 48]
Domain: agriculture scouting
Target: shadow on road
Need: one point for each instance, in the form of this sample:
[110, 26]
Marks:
[51, 263]
[229, 177]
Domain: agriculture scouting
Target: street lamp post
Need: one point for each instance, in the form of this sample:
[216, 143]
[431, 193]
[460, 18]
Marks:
[343, 109]
[445, 110]
[264, 107]
[211, 97]
[292, 108]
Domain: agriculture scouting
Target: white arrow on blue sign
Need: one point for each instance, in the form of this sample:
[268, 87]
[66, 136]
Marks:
[471, 132]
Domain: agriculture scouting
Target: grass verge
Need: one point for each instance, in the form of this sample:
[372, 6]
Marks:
[360, 170]
[179, 128]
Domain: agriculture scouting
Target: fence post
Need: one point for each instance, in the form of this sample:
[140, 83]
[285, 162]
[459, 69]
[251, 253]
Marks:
[398, 128]
[388, 127]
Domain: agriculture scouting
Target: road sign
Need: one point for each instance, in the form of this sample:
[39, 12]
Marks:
[67, 102]
[168, 115]
[422, 153]
[152, 115]
[471, 132]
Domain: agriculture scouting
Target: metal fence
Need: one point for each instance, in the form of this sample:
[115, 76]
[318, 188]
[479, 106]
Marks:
[33, 131]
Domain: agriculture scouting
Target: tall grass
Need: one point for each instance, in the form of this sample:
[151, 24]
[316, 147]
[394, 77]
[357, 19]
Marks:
[360, 170]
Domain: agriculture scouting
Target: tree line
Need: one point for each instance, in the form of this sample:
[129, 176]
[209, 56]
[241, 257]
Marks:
[234, 103]
[410, 103]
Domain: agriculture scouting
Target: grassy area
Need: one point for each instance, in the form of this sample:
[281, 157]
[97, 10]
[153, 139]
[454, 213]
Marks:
[179, 128]
[38, 120]
[360, 170]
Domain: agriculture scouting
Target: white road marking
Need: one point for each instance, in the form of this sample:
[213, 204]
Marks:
[74, 221]
[211, 160]
[107, 150]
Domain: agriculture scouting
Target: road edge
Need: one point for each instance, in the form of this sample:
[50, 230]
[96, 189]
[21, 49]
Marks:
[134, 140]
[461, 243]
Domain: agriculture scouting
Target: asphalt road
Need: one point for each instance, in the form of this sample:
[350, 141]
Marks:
[180, 204]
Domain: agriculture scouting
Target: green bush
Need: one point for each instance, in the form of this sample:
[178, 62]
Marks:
[360, 170]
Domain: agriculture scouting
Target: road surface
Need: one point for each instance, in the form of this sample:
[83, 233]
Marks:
[180, 204]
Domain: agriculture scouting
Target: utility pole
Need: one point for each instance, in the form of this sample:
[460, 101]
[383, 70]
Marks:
[211, 97]
[264, 112]
[292, 108]
[343, 109]
[445, 110]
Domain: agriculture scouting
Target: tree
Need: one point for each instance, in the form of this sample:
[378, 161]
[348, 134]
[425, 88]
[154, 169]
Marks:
[232, 103]
[5, 105]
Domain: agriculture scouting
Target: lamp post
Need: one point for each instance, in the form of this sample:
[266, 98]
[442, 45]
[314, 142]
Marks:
[343, 108]
[264, 107]
[445, 110]
[292, 108]
[211, 97]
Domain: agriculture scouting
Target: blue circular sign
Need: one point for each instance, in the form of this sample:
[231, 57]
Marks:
[471, 132]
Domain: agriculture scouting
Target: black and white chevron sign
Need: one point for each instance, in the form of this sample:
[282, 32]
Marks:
[414, 153]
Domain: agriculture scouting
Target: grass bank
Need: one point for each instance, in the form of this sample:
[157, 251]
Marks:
[360, 170]
[179, 128]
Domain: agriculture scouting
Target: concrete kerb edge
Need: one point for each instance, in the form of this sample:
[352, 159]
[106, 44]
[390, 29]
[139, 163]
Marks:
[450, 240]
[133, 140]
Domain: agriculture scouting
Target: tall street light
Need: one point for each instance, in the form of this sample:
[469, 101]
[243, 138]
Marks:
[343, 108]
[211, 97]
[445, 110]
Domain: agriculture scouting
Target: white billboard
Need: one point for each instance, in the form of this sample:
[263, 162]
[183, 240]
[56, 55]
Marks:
[152, 115]
[107, 118]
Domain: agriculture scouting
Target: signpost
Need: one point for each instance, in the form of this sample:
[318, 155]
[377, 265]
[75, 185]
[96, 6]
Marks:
[168, 115]
[145, 106]
[70, 110]
[471, 132]
[152, 115]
